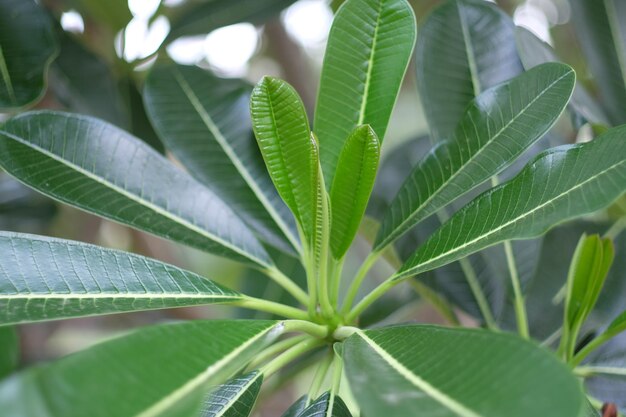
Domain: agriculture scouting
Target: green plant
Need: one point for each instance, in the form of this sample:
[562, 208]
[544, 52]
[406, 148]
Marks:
[303, 194]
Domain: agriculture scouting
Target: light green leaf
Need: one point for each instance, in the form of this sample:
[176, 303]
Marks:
[433, 371]
[159, 371]
[497, 127]
[99, 168]
[9, 350]
[327, 405]
[463, 48]
[601, 30]
[45, 279]
[533, 51]
[368, 51]
[560, 184]
[352, 186]
[211, 134]
[235, 398]
[27, 47]
[297, 407]
[289, 149]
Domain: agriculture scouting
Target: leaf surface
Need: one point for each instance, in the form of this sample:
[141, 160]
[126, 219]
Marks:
[297, 407]
[326, 405]
[235, 398]
[99, 168]
[9, 350]
[368, 51]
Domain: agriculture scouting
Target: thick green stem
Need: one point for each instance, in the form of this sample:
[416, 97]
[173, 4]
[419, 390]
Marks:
[290, 355]
[322, 270]
[590, 347]
[615, 229]
[336, 269]
[358, 280]
[520, 306]
[306, 326]
[370, 298]
[319, 377]
[336, 382]
[271, 307]
[291, 287]
[275, 349]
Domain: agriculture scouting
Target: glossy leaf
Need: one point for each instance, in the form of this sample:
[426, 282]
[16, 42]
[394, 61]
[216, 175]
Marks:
[351, 189]
[27, 46]
[463, 48]
[560, 184]
[468, 372]
[204, 121]
[297, 407]
[600, 27]
[154, 372]
[288, 148]
[9, 350]
[45, 279]
[497, 127]
[368, 51]
[99, 168]
[235, 398]
[326, 405]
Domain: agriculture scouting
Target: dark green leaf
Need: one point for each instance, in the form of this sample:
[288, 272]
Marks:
[27, 47]
[560, 184]
[138, 123]
[464, 47]
[45, 279]
[433, 371]
[327, 405]
[497, 127]
[160, 371]
[235, 398]
[9, 350]
[102, 169]
[211, 134]
[297, 407]
[352, 186]
[368, 51]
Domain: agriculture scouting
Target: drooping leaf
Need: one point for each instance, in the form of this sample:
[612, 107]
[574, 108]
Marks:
[154, 372]
[27, 47]
[204, 121]
[497, 127]
[297, 407]
[464, 47]
[9, 350]
[235, 398]
[201, 17]
[434, 371]
[289, 149]
[99, 168]
[368, 51]
[352, 186]
[45, 279]
[560, 184]
[327, 405]
[601, 29]
[533, 51]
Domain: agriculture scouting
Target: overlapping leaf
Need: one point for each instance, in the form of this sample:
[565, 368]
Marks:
[46, 279]
[154, 372]
[102, 169]
[368, 50]
[205, 122]
[297, 407]
[235, 398]
[9, 350]
[497, 127]
[560, 184]
[327, 405]
[433, 371]
[464, 47]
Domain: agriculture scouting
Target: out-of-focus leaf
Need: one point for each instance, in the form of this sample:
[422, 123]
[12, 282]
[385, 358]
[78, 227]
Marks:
[368, 51]
[9, 350]
[99, 168]
[23, 209]
[154, 372]
[114, 13]
[327, 405]
[138, 122]
[464, 47]
[27, 47]
[235, 398]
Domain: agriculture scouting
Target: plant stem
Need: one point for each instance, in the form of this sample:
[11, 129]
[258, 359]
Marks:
[336, 383]
[271, 307]
[291, 287]
[370, 298]
[336, 268]
[322, 276]
[615, 229]
[318, 379]
[286, 357]
[275, 349]
[520, 306]
[306, 326]
[590, 347]
[358, 280]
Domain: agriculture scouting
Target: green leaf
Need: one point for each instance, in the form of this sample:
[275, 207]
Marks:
[27, 47]
[211, 135]
[560, 184]
[352, 186]
[463, 48]
[9, 350]
[156, 371]
[434, 371]
[45, 279]
[497, 127]
[114, 13]
[99, 168]
[533, 51]
[235, 398]
[600, 27]
[202, 17]
[368, 51]
[297, 407]
[289, 149]
[327, 405]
